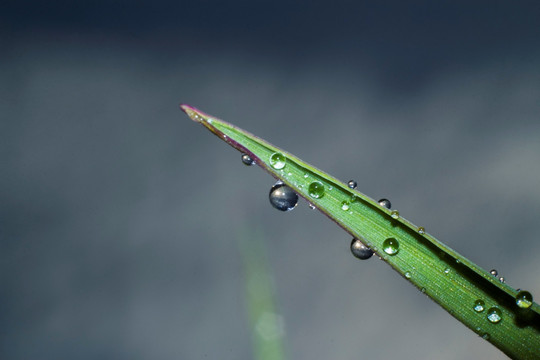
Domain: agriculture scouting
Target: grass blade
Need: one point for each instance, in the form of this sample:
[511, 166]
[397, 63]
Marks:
[506, 317]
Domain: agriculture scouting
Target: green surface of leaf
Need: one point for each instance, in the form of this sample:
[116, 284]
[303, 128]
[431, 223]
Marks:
[469, 293]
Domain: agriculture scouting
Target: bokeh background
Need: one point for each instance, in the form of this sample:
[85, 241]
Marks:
[120, 219]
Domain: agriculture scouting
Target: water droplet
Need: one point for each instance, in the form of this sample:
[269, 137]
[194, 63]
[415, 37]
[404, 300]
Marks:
[394, 214]
[423, 289]
[360, 250]
[493, 272]
[524, 299]
[447, 271]
[311, 206]
[283, 197]
[316, 189]
[391, 246]
[501, 279]
[352, 184]
[345, 205]
[494, 315]
[306, 176]
[278, 160]
[479, 305]
[247, 160]
[421, 230]
[408, 275]
[485, 336]
[385, 203]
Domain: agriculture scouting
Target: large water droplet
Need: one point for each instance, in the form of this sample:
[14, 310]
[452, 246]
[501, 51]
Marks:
[479, 305]
[316, 189]
[360, 250]
[345, 205]
[494, 315]
[391, 246]
[524, 299]
[385, 203]
[493, 272]
[283, 197]
[247, 160]
[278, 160]
[352, 184]
[394, 214]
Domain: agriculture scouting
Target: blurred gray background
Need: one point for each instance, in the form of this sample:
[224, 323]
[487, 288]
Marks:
[119, 217]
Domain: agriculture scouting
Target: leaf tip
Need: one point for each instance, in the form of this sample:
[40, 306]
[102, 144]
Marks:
[193, 113]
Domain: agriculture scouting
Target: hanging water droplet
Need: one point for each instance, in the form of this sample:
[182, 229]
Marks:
[485, 336]
[493, 272]
[391, 246]
[311, 206]
[479, 305]
[360, 250]
[421, 230]
[352, 184]
[278, 160]
[394, 214]
[423, 289]
[385, 203]
[408, 275]
[283, 197]
[494, 315]
[524, 299]
[345, 205]
[501, 279]
[316, 189]
[247, 160]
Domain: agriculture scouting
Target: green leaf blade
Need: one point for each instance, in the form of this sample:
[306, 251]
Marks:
[450, 279]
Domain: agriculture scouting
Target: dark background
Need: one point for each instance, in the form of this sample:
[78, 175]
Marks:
[119, 216]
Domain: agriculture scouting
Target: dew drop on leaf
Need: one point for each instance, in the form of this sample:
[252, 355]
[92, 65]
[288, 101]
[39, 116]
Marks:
[283, 197]
[524, 299]
[421, 230]
[352, 184]
[394, 214]
[494, 315]
[493, 272]
[247, 160]
[360, 250]
[385, 203]
[479, 305]
[316, 189]
[345, 205]
[278, 160]
[391, 246]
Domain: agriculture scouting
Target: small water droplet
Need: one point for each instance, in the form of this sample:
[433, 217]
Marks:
[493, 272]
[458, 261]
[447, 271]
[391, 246]
[278, 161]
[501, 279]
[394, 214]
[306, 176]
[485, 336]
[524, 299]
[408, 275]
[479, 305]
[345, 205]
[494, 315]
[385, 203]
[316, 189]
[423, 289]
[360, 250]
[247, 160]
[283, 197]
[421, 230]
[352, 184]
[311, 206]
